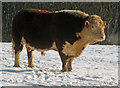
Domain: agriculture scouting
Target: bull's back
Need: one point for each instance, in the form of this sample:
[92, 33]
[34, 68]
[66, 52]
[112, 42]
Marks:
[37, 28]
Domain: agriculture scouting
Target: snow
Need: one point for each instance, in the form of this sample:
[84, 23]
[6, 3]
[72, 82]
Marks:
[98, 66]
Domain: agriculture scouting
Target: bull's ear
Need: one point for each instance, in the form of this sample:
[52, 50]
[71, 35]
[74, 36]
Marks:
[106, 24]
[86, 24]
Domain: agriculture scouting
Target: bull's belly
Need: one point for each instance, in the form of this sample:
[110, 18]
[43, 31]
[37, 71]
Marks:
[73, 50]
[52, 47]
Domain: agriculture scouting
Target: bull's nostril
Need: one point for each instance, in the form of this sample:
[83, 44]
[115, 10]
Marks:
[102, 38]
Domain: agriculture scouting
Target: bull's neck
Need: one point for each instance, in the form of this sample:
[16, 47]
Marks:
[80, 45]
[75, 49]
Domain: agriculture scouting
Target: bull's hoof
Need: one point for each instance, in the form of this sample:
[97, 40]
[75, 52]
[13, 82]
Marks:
[31, 66]
[16, 66]
[64, 70]
[69, 69]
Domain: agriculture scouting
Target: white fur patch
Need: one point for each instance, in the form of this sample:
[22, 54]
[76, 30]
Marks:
[76, 49]
[75, 13]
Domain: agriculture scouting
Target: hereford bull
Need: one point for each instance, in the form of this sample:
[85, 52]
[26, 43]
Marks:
[66, 31]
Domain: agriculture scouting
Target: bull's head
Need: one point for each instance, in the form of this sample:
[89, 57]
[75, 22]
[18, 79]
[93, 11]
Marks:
[94, 29]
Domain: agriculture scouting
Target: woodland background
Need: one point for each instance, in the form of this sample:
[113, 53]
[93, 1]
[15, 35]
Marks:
[109, 11]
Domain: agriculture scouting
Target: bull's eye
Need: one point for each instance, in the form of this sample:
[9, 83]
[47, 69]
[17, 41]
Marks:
[100, 22]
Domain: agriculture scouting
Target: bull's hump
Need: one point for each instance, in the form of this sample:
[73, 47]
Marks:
[39, 10]
[77, 13]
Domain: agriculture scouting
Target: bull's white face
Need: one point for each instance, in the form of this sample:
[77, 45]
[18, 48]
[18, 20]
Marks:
[95, 28]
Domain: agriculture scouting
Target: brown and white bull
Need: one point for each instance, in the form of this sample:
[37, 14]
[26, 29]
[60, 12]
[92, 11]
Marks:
[66, 31]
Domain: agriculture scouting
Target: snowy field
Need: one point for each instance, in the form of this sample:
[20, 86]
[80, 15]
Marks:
[98, 66]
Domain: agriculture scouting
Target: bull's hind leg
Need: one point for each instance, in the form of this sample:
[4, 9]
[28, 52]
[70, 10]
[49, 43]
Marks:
[18, 48]
[30, 56]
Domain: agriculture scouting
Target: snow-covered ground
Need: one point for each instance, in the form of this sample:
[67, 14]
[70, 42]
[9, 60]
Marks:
[98, 66]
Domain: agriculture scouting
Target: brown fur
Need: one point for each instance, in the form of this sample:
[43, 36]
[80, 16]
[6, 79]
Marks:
[39, 10]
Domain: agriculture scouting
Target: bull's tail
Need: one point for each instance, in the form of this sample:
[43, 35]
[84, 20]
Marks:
[13, 49]
[16, 36]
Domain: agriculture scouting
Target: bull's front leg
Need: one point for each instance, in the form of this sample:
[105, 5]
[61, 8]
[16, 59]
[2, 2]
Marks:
[64, 66]
[69, 65]
[66, 61]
